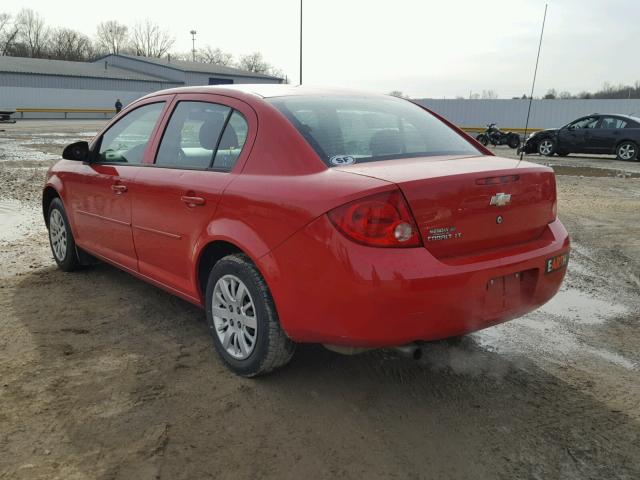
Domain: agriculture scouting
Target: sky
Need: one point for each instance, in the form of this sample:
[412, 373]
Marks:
[424, 48]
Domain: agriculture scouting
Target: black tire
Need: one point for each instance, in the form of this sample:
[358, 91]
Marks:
[547, 147]
[627, 151]
[67, 261]
[482, 138]
[563, 154]
[514, 140]
[272, 348]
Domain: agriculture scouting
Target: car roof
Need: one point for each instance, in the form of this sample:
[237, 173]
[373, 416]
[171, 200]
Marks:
[266, 90]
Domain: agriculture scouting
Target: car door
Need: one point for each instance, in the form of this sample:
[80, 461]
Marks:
[100, 192]
[576, 137]
[608, 133]
[204, 143]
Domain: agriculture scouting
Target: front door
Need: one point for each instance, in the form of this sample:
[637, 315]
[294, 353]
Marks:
[177, 194]
[100, 192]
[577, 136]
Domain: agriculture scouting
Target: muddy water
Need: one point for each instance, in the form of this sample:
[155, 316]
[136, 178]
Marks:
[592, 172]
[17, 220]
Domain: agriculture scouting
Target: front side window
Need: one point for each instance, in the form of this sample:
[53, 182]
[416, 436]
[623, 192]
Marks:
[589, 122]
[350, 129]
[202, 135]
[127, 139]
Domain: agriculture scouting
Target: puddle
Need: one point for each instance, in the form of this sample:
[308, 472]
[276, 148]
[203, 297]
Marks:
[17, 220]
[550, 331]
[591, 172]
[579, 307]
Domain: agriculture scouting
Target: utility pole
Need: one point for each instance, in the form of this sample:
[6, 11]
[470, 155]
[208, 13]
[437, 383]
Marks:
[193, 43]
[300, 42]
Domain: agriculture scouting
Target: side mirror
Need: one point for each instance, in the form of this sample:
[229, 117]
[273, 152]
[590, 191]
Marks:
[76, 151]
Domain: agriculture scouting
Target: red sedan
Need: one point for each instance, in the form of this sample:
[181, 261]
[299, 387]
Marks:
[300, 215]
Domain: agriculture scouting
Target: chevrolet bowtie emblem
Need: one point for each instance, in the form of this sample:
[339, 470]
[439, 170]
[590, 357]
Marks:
[500, 199]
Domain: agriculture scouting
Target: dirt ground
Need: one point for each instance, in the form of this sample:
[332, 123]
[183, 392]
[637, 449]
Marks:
[105, 377]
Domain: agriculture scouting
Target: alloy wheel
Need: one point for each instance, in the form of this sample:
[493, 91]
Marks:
[546, 147]
[234, 317]
[58, 235]
[626, 151]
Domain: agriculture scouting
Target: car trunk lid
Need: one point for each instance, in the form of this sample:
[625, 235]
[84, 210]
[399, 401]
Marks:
[465, 205]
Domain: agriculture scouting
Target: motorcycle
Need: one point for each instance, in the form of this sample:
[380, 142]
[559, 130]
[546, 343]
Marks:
[494, 136]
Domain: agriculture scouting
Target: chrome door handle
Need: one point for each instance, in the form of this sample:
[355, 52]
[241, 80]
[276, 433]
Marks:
[118, 188]
[193, 201]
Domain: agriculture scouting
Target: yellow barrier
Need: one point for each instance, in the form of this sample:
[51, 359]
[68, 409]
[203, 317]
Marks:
[106, 111]
[66, 111]
[516, 130]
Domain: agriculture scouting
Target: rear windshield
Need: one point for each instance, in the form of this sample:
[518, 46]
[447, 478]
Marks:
[344, 130]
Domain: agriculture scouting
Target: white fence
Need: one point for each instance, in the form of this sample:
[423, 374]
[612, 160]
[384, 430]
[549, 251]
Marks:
[511, 114]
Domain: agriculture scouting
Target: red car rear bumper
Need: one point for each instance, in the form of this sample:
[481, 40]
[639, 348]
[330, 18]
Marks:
[328, 289]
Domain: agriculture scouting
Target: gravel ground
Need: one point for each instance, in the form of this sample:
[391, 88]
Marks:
[105, 377]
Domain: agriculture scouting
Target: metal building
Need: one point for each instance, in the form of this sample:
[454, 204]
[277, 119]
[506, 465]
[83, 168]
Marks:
[41, 88]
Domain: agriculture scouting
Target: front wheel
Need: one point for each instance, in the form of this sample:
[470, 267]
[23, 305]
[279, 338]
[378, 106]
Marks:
[482, 138]
[513, 140]
[627, 151]
[63, 246]
[243, 320]
[547, 147]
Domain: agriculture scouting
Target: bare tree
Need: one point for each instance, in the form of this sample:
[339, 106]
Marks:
[149, 40]
[565, 95]
[254, 63]
[33, 32]
[67, 44]
[215, 56]
[489, 95]
[112, 37]
[8, 33]
[551, 94]
[398, 93]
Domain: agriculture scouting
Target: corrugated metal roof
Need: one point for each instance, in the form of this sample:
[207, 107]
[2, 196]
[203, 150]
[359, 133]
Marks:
[198, 67]
[40, 66]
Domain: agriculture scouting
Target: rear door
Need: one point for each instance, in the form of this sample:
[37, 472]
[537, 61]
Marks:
[608, 134]
[101, 191]
[203, 143]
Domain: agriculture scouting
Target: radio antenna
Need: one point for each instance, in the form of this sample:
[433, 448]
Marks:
[533, 85]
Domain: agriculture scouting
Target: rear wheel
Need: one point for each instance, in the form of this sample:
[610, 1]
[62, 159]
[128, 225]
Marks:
[547, 147]
[243, 320]
[627, 151]
[61, 239]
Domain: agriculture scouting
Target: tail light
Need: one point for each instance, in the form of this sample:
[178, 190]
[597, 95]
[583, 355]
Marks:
[380, 220]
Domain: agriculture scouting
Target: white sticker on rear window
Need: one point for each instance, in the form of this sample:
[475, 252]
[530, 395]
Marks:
[342, 160]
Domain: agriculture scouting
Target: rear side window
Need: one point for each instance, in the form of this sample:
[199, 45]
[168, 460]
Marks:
[192, 135]
[347, 129]
[231, 143]
[127, 139]
[612, 123]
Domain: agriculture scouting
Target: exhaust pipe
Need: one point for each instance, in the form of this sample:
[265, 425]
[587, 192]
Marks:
[410, 350]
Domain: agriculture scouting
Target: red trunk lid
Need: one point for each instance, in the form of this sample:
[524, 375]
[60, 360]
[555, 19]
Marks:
[465, 205]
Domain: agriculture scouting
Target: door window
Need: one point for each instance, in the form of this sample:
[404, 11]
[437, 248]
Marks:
[127, 139]
[202, 135]
[589, 122]
[612, 123]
